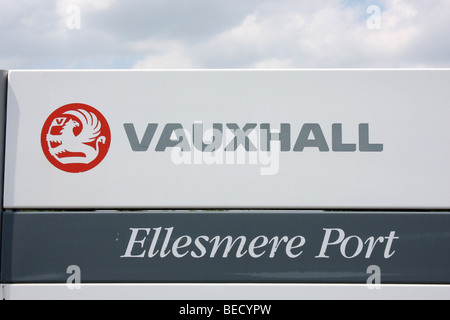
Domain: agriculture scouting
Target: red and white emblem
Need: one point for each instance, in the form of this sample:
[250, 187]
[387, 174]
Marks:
[75, 138]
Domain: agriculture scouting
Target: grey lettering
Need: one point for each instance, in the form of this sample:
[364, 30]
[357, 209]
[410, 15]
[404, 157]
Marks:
[304, 140]
[178, 244]
[229, 246]
[151, 252]
[254, 245]
[326, 241]
[133, 241]
[200, 247]
[364, 145]
[241, 137]
[217, 138]
[166, 140]
[358, 250]
[291, 245]
[284, 137]
[387, 253]
[164, 252]
[338, 145]
[371, 245]
[146, 140]
[276, 243]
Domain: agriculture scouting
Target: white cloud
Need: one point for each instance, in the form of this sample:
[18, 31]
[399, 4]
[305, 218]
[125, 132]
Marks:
[300, 33]
[62, 5]
[166, 55]
[224, 34]
[329, 34]
[272, 64]
[413, 34]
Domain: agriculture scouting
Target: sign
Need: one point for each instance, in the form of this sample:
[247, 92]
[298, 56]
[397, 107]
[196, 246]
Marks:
[333, 159]
[297, 139]
[227, 247]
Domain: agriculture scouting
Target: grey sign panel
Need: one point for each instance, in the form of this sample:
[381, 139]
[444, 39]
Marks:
[220, 247]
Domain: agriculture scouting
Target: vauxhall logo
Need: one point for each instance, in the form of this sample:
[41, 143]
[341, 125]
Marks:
[76, 138]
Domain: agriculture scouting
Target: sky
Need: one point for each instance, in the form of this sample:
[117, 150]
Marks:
[224, 34]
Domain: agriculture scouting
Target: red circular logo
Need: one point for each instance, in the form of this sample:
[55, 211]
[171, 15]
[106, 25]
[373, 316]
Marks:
[75, 138]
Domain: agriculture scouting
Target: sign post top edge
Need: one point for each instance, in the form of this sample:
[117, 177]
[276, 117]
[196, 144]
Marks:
[232, 70]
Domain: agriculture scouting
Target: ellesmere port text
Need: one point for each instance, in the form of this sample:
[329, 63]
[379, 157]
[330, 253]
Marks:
[146, 242]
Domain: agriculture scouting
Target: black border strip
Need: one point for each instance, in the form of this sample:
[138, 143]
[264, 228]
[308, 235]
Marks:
[3, 98]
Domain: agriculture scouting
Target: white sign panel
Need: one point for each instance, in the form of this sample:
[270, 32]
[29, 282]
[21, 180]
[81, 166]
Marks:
[228, 139]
